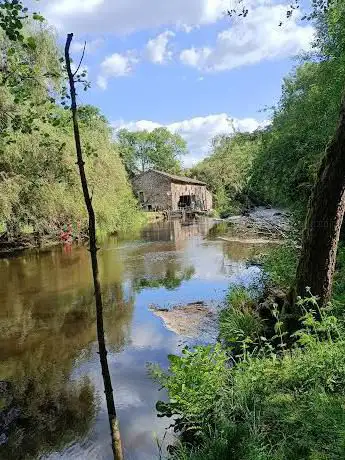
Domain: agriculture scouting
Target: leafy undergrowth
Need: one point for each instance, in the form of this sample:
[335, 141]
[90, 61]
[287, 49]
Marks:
[280, 264]
[270, 403]
[240, 321]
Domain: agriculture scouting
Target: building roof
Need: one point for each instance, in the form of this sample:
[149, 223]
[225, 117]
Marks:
[187, 180]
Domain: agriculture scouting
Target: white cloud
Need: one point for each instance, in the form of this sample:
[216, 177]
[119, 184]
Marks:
[116, 65]
[102, 82]
[251, 40]
[193, 57]
[126, 16]
[198, 132]
[91, 46]
[157, 50]
[71, 7]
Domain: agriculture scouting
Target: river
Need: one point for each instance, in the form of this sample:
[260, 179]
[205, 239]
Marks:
[51, 391]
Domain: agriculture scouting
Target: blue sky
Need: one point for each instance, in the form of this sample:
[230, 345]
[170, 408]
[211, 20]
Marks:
[182, 63]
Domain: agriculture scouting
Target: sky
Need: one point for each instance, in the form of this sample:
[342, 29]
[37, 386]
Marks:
[183, 64]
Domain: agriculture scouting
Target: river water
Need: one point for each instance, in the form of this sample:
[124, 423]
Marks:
[51, 391]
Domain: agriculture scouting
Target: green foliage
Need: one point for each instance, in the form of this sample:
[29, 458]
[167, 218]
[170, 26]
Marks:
[305, 119]
[277, 404]
[240, 320]
[227, 170]
[338, 297]
[12, 17]
[143, 150]
[195, 384]
[280, 265]
[39, 181]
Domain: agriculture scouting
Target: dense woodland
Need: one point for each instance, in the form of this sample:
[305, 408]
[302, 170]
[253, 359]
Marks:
[39, 185]
[278, 165]
[281, 397]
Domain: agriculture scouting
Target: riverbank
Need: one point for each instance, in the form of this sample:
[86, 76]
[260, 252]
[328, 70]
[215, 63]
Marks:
[261, 226]
[68, 235]
[276, 401]
[16, 245]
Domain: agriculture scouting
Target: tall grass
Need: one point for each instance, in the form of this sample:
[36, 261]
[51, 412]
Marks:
[269, 404]
[240, 320]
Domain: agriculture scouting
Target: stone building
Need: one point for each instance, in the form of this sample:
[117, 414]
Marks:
[160, 191]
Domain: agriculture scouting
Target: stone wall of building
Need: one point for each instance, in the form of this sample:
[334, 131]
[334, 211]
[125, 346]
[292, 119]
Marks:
[209, 200]
[157, 192]
[153, 191]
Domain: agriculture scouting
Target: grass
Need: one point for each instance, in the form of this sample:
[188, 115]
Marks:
[339, 280]
[270, 403]
[250, 397]
[239, 320]
[280, 265]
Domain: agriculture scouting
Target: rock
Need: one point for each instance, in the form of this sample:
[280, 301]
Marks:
[188, 320]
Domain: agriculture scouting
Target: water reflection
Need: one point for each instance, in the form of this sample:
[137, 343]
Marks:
[51, 390]
[47, 324]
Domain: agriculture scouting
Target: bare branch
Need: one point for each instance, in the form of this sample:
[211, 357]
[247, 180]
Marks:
[81, 60]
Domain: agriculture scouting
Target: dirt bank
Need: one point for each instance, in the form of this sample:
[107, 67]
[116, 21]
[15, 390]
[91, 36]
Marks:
[13, 246]
[189, 320]
[262, 226]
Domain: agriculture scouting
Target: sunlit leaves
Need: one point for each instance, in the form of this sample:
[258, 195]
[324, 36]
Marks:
[159, 149]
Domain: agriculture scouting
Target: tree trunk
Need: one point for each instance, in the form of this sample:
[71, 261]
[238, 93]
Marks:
[324, 220]
[113, 421]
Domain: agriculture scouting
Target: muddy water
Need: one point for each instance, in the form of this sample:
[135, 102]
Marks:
[51, 392]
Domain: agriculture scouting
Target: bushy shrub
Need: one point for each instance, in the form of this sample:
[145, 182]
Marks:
[195, 383]
[277, 404]
[280, 265]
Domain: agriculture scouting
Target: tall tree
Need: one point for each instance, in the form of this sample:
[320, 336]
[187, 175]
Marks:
[108, 389]
[158, 149]
[227, 169]
[327, 203]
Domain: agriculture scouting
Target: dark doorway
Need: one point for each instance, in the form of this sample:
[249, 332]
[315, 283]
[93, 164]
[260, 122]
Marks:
[186, 201]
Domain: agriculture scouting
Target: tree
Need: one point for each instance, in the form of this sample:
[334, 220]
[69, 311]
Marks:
[158, 149]
[286, 164]
[227, 170]
[327, 204]
[39, 188]
[108, 389]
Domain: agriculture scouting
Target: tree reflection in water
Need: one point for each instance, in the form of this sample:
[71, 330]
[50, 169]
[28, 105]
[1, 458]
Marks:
[44, 335]
[47, 333]
[39, 416]
[172, 280]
